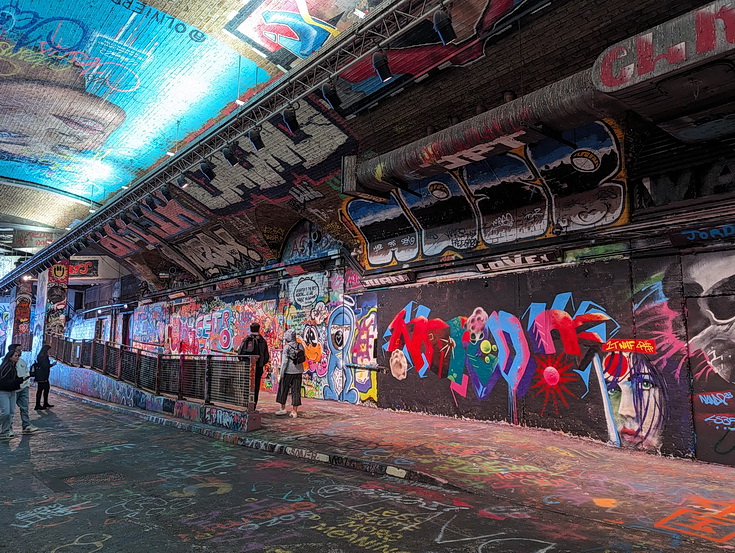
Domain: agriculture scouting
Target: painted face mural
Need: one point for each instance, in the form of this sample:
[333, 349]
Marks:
[712, 277]
[340, 333]
[638, 396]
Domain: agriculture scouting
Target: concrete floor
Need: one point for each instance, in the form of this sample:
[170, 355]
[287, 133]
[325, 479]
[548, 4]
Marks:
[95, 479]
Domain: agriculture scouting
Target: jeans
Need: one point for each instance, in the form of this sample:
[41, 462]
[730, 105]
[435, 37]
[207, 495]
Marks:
[22, 399]
[7, 408]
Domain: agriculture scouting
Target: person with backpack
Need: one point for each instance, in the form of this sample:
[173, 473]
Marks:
[255, 344]
[23, 396]
[293, 358]
[10, 383]
[41, 370]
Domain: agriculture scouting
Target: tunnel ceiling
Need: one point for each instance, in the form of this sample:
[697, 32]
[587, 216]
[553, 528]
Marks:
[95, 94]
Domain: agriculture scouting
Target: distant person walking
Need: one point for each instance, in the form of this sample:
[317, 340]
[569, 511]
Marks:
[255, 344]
[22, 396]
[43, 374]
[292, 369]
[10, 383]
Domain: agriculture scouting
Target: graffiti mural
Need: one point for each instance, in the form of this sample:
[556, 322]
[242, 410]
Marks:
[92, 75]
[238, 217]
[339, 335]
[21, 309]
[563, 360]
[709, 284]
[528, 193]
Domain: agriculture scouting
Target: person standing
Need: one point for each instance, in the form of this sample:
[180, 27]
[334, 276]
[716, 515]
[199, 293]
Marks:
[22, 396]
[255, 344]
[292, 369]
[43, 374]
[10, 383]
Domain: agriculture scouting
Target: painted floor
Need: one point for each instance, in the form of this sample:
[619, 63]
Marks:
[95, 479]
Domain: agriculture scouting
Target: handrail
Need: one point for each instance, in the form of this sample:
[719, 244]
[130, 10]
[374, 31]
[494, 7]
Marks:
[222, 377]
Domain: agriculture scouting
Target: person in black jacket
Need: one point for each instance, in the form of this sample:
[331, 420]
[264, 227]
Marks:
[10, 384]
[43, 372]
[260, 348]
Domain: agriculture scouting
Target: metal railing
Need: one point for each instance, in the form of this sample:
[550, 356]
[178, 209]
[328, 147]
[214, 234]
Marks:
[226, 379]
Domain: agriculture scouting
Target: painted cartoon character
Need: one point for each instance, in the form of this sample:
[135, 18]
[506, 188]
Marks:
[340, 334]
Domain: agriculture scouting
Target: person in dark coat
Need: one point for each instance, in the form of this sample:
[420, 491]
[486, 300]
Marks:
[43, 373]
[264, 357]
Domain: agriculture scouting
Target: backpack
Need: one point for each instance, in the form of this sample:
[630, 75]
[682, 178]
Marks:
[32, 371]
[249, 345]
[297, 354]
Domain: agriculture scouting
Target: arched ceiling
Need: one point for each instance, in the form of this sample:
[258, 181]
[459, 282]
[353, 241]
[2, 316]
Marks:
[96, 95]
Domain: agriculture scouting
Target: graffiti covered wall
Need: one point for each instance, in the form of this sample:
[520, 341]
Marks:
[528, 193]
[531, 349]
[338, 332]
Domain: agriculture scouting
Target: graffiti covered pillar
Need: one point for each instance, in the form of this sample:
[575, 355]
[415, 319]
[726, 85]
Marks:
[21, 308]
[56, 293]
[39, 319]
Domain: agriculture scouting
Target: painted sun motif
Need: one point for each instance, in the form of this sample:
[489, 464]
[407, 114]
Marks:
[553, 372]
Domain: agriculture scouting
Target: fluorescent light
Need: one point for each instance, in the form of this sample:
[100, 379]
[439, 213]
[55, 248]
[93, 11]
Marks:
[359, 13]
[239, 102]
[172, 154]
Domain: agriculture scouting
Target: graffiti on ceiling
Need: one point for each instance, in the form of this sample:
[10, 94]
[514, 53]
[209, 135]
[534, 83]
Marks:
[93, 93]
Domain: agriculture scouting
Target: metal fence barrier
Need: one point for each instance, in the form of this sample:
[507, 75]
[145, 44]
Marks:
[224, 379]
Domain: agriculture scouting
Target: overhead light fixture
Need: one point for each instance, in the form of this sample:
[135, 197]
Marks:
[443, 26]
[381, 66]
[124, 187]
[229, 152]
[255, 139]
[239, 102]
[26, 277]
[171, 154]
[207, 168]
[359, 13]
[182, 182]
[330, 95]
[92, 210]
[289, 117]
[99, 312]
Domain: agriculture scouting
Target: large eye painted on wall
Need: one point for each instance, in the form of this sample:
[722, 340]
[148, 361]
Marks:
[311, 337]
[720, 308]
[338, 335]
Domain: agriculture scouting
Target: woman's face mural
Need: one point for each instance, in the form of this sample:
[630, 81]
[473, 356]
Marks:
[637, 393]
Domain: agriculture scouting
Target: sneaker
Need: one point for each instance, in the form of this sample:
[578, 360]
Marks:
[293, 414]
[281, 412]
[30, 429]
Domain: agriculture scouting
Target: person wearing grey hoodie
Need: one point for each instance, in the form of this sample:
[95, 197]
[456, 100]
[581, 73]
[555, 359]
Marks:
[292, 369]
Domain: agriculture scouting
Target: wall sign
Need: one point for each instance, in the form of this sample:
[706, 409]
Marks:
[696, 36]
[516, 261]
[84, 268]
[385, 280]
